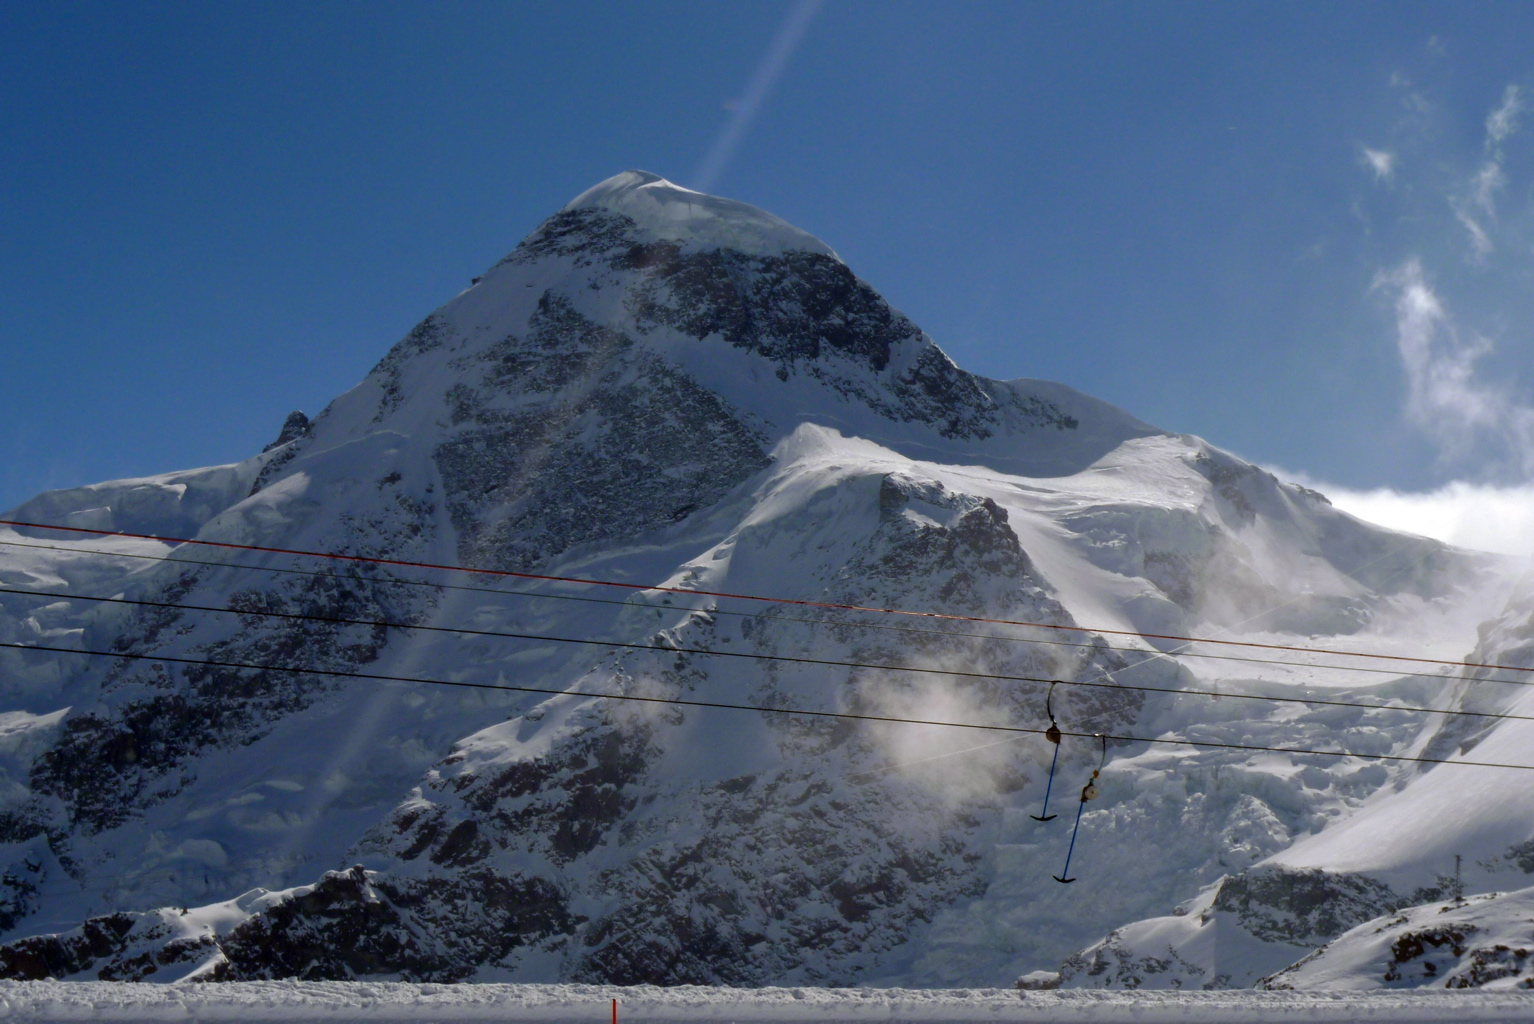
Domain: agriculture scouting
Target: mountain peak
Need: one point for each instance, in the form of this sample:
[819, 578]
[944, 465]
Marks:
[694, 219]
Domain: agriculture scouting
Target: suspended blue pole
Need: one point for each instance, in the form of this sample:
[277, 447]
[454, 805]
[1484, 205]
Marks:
[1049, 787]
[1088, 792]
[1072, 849]
[1052, 734]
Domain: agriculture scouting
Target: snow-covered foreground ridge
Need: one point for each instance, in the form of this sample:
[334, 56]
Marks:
[394, 1001]
[669, 389]
[1477, 942]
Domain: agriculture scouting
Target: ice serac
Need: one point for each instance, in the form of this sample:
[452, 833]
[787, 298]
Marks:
[1436, 833]
[674, 390]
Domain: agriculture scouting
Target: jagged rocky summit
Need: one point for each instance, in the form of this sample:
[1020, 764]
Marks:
[665, 388]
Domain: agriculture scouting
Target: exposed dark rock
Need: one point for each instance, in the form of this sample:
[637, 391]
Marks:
[294, 427]
[1111, 966]
[579, 465]
[425, 336]
[1412, 953]
[1304, 907]
[581, 234]
[1495, 963]
[1522, 854]
[349, 925]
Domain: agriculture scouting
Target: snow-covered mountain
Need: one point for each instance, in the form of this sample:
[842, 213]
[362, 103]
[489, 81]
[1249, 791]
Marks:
[670, 389]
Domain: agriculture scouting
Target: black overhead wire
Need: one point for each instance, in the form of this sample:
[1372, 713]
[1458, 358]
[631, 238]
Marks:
[738, 654]
[1106, 683]
[1148, 655]
[186, 876]
[688, 591]
[766, 709]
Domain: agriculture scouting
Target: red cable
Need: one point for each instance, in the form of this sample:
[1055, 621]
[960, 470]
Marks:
[749, 597]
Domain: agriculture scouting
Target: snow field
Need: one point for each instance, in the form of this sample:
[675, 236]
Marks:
[296, 1001]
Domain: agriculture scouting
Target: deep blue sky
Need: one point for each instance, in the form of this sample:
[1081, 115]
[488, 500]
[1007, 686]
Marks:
[211, 214]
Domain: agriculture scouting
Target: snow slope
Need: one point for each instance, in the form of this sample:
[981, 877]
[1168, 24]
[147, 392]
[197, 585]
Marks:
[394, 1001]
[665, 388]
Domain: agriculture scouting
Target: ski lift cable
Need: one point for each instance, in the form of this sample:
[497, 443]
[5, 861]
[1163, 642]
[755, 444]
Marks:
[1105, 682]
[1089, 719]
[1149, 654]
[1052, 734]
[837, 606]
[1088, 792]
[882, 769]
[765, 709]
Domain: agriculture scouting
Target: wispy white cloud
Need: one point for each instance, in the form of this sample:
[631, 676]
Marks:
[779, 52]
[1468, 417]
[1503, 121]
[1476, 209]
[1478, 418]
[1488, 181]
[1381, 162]
[1480, 241]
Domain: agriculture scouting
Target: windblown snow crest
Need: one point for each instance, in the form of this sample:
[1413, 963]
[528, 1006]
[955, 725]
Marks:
[668, 389]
